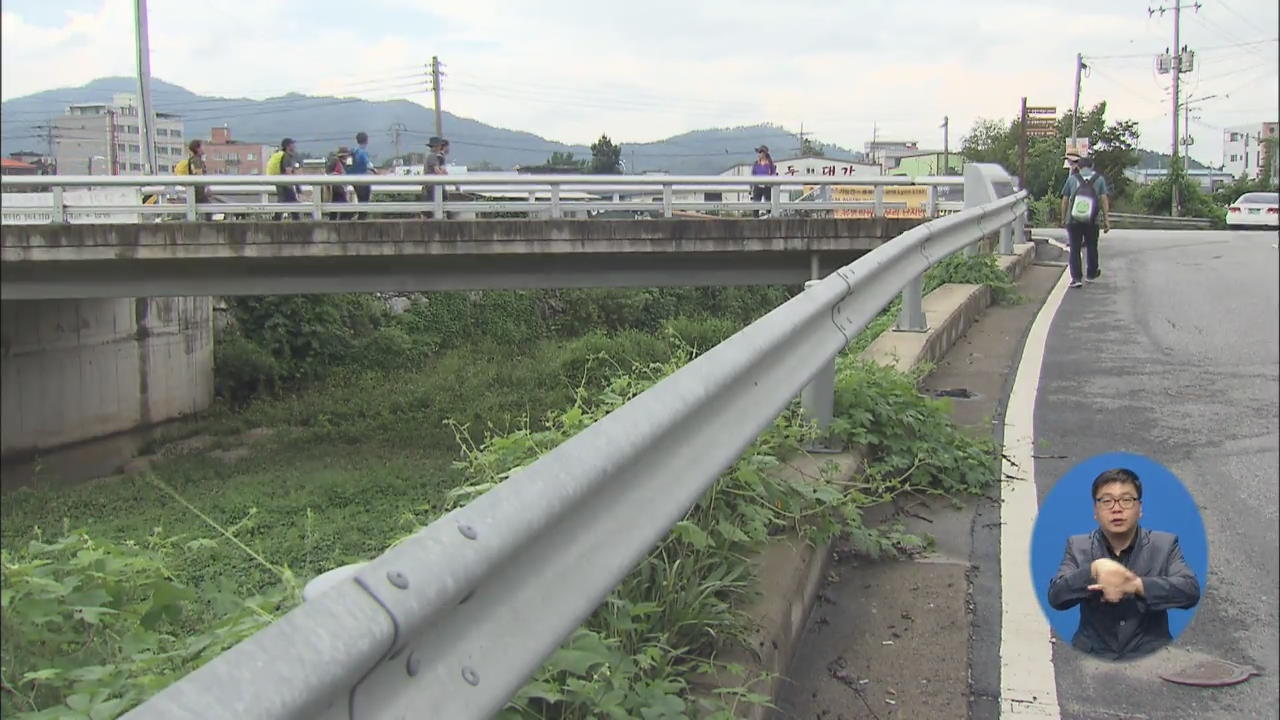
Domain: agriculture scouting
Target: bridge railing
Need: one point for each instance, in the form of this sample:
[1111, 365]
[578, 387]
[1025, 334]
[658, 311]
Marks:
[453, 620]
[128, 198]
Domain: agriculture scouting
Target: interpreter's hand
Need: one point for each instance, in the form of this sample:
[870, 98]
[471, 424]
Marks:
[1114, 580]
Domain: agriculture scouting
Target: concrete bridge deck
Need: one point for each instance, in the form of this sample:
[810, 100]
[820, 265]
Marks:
[39, 262]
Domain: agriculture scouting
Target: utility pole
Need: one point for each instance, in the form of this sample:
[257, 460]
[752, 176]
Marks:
[1075, 105]
[1175, 66]
[395, 130]
[435, 88]
[146, 118]
[946, 146]
[1022, 145]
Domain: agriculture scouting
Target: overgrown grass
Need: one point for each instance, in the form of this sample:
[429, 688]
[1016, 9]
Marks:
[365, 455]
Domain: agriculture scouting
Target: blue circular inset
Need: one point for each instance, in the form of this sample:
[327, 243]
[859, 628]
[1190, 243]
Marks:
[1068, 510]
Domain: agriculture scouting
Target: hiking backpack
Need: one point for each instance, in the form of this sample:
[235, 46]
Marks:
[1084, 203]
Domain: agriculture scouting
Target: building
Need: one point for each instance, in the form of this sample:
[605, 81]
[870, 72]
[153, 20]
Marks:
[225, 156]
[104, 139]
[1243, 149]
[9, 166]
[886, 153]
[927, 163]
[42, 163]
[1208, 180]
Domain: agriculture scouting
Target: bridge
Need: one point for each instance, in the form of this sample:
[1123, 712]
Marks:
[102, 289]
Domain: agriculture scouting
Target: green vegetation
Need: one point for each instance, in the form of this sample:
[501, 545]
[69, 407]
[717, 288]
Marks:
[113, 589]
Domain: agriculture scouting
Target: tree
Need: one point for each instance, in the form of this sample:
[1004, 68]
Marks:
[808, 148]
[1111, 146]
[606, 158]
[566, 160]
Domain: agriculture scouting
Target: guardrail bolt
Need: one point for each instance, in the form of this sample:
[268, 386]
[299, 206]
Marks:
[411, 666]
[470, 675]
[397, 578]
[467, 531]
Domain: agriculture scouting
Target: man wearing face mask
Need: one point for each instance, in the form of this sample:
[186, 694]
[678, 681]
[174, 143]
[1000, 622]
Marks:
[1124, 577]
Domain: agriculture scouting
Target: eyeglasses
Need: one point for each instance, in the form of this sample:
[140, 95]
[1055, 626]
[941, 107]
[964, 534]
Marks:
[1126, 503]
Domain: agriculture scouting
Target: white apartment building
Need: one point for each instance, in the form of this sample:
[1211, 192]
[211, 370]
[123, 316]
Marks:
[1243, 152]
[104, 139]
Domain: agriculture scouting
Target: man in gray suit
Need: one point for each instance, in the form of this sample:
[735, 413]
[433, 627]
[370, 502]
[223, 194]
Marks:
[1124, 577]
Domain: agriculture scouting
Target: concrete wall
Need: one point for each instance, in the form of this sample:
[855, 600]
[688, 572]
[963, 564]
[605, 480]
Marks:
[80, 369]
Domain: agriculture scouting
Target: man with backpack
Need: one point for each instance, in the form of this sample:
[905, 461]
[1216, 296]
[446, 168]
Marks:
[362, 165]
[1085, 196]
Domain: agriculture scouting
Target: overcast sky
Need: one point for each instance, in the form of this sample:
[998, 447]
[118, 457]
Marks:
[640, 71]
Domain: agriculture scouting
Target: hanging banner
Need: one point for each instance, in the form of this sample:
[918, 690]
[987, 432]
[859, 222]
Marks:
[915, 197]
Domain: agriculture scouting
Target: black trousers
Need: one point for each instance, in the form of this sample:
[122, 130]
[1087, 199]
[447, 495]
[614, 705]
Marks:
[286, 193]
[759, 193]
[1082, 236]
[363, 195]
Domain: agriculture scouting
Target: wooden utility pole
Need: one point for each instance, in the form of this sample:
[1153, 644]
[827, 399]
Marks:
[435, 88]
[1075, 104]
[1022, 145]
[946, 146]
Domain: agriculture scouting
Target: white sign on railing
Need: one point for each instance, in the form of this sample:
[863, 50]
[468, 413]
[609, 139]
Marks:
[37, 208]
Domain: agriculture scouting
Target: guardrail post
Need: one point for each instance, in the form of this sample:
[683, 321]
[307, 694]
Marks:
[317, 202]
[192, 216]
[58, 213]
[556, 213]
[1006, 239]
[911, 317]
[931, 202]
[775, 201]
[879, 207]
[437, 202]
[818, 400]
[666, 200]
[1020, 225]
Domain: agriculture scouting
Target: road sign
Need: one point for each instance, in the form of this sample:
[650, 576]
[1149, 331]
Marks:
[1041, 133]
[1041, 110]
[1042, 122]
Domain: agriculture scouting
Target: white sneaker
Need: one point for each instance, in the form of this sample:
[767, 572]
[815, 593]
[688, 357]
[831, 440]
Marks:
[1075, 284]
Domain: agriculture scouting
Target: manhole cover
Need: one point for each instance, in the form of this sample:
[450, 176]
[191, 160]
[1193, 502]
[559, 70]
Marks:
[1211, 673]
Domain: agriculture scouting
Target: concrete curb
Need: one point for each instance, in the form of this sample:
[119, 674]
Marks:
[789, 570]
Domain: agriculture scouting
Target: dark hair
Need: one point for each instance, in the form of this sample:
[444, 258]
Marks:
[285, 143]
[1117, 475]
[1085, 162]
[362, 138]
[194, 144]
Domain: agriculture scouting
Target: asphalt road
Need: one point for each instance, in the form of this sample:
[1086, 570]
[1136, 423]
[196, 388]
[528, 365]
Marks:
[1174, 355]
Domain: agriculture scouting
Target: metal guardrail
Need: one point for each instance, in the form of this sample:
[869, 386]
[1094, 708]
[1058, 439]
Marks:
[453, 620]
[541, 196]
[1159, 222]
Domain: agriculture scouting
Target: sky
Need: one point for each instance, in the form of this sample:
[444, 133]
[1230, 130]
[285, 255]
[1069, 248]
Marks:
[569, 70]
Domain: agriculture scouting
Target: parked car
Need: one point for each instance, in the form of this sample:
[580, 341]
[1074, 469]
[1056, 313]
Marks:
[1255, 209]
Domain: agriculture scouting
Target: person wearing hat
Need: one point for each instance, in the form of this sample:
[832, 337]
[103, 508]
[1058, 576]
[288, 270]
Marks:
[763, 166]
[437, 148]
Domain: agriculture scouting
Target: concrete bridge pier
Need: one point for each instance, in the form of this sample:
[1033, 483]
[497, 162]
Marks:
[76, 370]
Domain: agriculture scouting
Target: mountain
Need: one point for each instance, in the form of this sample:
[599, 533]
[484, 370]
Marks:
[321, 124]
[1148, 159]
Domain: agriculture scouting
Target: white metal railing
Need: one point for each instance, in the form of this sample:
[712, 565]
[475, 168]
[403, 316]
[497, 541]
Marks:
[532, 196]
[453, 620]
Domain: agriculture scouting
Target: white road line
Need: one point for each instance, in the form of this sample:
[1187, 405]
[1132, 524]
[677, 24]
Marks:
[1028, 688]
